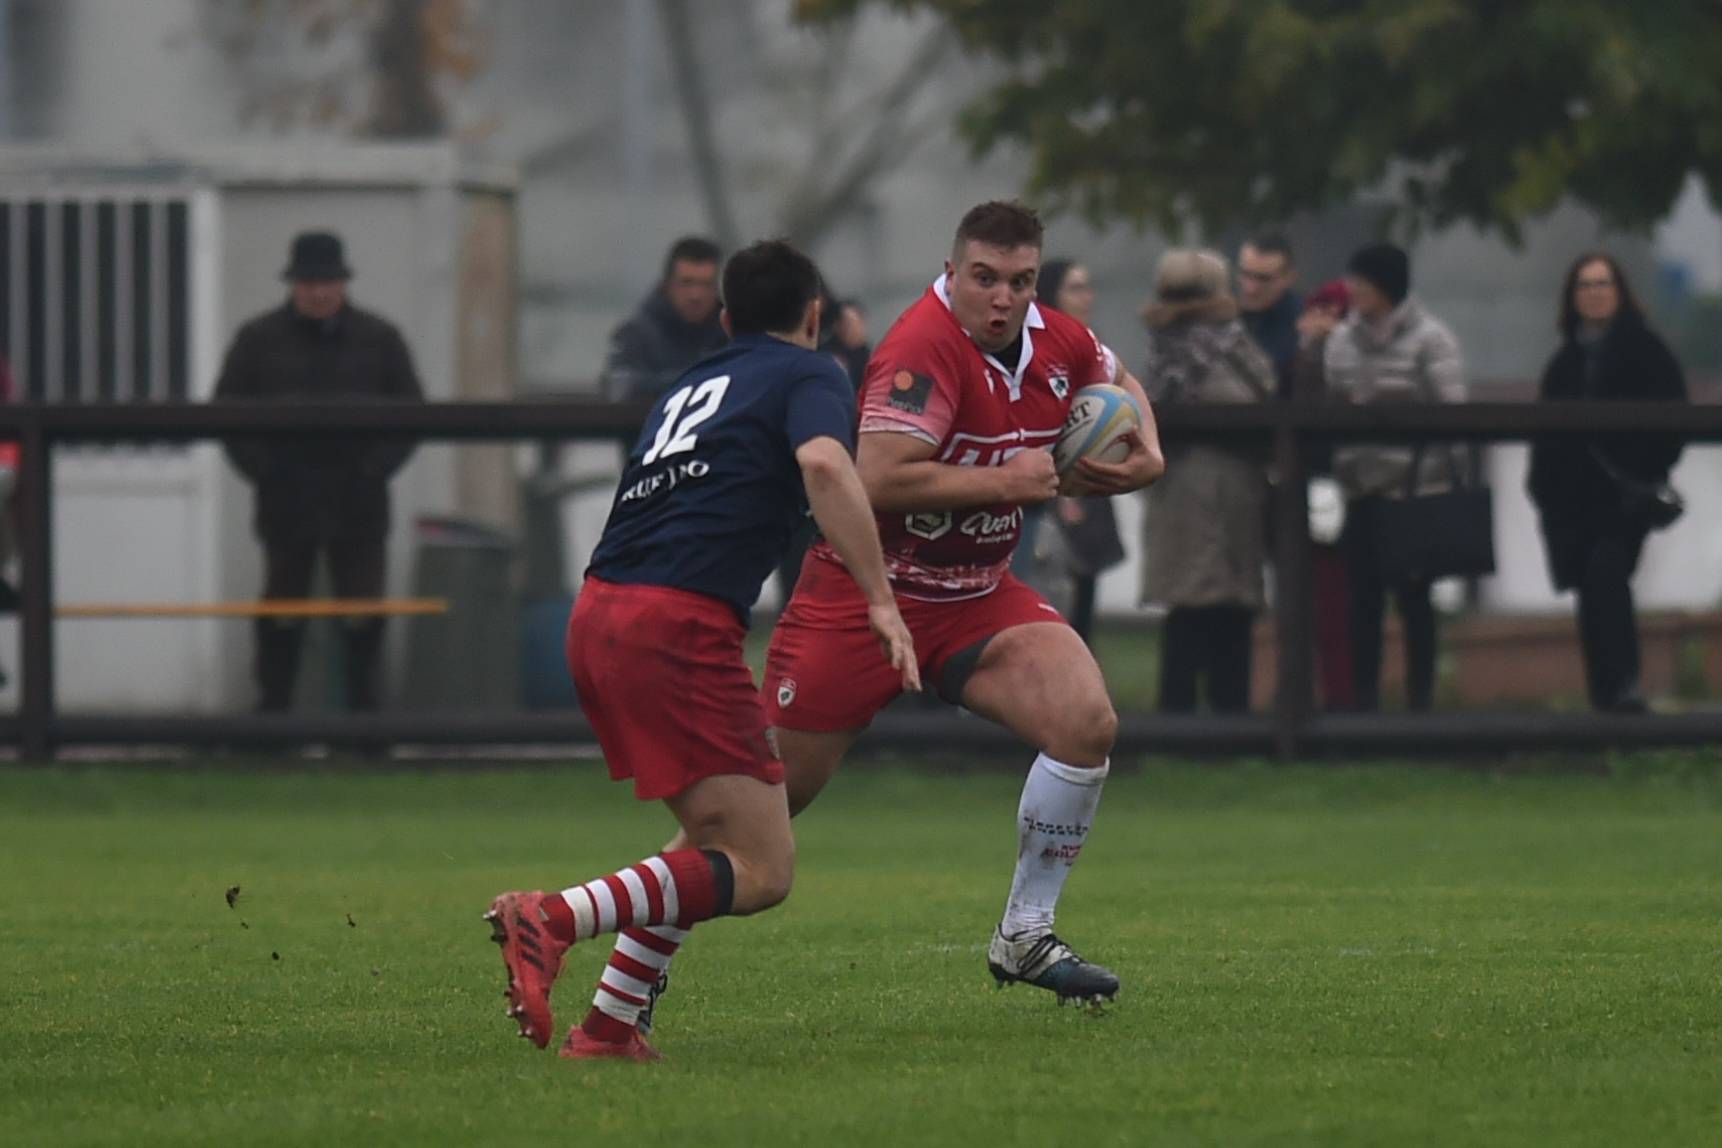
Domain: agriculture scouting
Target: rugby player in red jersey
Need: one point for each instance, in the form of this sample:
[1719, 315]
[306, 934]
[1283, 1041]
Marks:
[963, 400]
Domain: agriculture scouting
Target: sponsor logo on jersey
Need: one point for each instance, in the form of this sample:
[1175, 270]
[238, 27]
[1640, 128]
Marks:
[985, 526]
[910, 392]
[929, 526]
[666, 480]
[1060, 385]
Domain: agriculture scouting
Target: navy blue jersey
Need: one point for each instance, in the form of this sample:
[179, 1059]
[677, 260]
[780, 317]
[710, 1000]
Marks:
[712, 491]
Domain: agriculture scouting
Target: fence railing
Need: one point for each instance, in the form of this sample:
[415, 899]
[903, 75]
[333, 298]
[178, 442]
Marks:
[1286, 432]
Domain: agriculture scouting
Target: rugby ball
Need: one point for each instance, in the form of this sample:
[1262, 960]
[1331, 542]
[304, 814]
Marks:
[1100, 417]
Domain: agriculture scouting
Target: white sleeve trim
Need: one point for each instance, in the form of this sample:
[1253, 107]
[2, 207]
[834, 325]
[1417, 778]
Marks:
[875, 424]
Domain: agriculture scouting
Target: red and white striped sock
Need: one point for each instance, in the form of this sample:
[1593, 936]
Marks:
[680, 888]
[638, 960]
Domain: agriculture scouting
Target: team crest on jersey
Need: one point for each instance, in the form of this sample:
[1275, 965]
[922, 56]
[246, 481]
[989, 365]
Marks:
[928, 526]
[785, 693]
[910, 392]
[1060, 385]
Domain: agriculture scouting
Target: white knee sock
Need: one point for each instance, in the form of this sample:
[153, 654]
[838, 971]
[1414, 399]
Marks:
[1058, 804]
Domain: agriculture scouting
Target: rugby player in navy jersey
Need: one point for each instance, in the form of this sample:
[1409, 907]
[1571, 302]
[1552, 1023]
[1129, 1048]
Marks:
[730, 456]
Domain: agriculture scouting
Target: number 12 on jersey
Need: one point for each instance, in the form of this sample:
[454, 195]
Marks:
[685, 410]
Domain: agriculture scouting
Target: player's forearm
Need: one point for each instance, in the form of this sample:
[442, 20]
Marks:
[1150, 427]
[840, 507]
[907, 487]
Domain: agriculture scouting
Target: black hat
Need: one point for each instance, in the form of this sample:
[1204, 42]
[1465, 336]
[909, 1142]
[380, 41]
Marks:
[1387, 267]
[317, 255]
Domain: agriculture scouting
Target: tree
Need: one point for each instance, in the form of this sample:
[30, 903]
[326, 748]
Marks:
[374, 68]
[1228, 112]
[849, 133]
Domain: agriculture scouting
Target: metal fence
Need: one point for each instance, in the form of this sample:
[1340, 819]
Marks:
[1286, 432]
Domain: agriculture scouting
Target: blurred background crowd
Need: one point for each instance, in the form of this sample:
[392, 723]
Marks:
[533, 198]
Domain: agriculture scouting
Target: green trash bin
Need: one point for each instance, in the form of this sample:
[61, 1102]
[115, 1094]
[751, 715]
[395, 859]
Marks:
[468, 658]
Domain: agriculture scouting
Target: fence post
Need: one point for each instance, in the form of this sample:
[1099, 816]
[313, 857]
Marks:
[36, 610]
[1294, 630]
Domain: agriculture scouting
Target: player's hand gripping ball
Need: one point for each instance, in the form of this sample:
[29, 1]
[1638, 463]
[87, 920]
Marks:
[1101, 417]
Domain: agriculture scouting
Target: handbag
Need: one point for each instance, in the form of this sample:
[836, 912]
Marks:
[1424, 537]
[1656, 504]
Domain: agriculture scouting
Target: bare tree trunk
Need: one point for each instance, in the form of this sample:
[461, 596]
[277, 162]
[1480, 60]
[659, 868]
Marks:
[404, 102]
[695, 101]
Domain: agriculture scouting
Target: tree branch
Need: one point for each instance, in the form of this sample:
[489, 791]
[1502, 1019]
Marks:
[816, 205]
[695, 102]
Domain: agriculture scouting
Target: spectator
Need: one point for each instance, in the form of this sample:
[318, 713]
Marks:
[674, 327]
[843, 336]
[1266, 273]
[1390, 350]
[1592, 529]
[1205, 516]
[1089, 526]
[846, 339]
[326, 497]
[1330, 582]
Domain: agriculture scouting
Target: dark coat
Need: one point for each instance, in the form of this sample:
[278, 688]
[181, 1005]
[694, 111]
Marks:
[1275, 332]
[319, 488]
[653, 347]
[1575, 496]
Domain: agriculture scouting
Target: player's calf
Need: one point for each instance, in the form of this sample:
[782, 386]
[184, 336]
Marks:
[748, 820]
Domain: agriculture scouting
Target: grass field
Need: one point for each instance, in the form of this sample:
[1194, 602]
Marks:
[1341, 956]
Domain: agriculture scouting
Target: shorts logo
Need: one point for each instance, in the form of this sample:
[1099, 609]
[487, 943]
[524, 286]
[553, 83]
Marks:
[910, 392]
[929, 526]
[1060, 386]
[785, 693]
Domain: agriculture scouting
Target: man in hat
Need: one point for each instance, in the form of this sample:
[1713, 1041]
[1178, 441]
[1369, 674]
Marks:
[327, 497]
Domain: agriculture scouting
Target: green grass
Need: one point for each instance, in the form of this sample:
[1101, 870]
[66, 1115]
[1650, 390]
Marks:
[1356, 956]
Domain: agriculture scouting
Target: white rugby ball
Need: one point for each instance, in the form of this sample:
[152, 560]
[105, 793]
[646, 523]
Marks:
[1100, 417]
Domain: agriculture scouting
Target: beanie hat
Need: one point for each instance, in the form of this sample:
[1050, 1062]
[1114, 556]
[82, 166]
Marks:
[1333, 293]
[1387, 267]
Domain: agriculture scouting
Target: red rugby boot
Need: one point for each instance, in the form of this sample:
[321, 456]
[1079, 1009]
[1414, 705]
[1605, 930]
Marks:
[582, 1045]
[533, 957]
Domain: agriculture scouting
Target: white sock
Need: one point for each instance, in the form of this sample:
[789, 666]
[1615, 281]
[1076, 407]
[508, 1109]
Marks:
[639, 958]
[1058, 804]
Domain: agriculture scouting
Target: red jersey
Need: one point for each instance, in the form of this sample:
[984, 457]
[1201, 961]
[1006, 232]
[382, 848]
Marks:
[929, 379]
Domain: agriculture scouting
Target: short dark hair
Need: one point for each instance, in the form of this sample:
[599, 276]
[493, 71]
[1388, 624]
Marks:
[1000, 223]
[1629, 308]
[1273, 243]
[767, 287]
[691, 249]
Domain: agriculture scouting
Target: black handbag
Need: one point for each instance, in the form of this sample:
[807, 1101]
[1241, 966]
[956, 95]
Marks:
[1422, 537]
[1656, 504]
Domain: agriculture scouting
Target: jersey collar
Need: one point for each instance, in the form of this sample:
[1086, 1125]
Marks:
[1032, 321]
